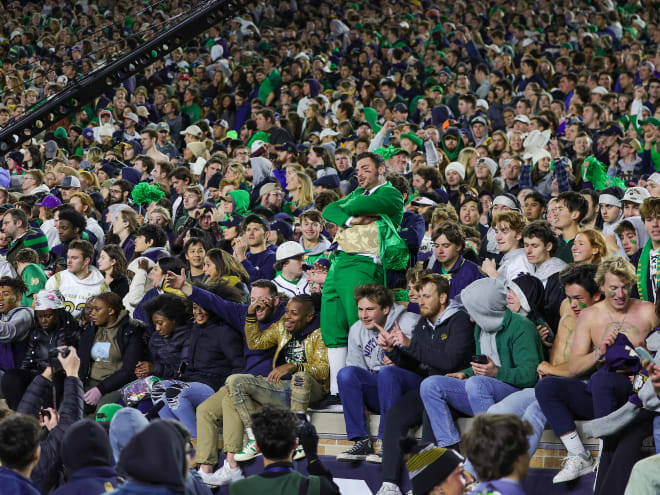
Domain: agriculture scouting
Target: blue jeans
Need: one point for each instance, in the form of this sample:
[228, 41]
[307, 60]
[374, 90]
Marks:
[378, 390]
[563, 400]
[471, 396]
[181, 399]
[524, 405]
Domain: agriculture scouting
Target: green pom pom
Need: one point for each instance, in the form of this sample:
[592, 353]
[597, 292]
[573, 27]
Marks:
[386, 153]
[594, 171]
[145, 194]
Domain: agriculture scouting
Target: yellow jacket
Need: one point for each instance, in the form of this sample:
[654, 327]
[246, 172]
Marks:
[316, 353]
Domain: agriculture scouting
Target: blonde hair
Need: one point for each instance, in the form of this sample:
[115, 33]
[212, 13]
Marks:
[618, 266]
[306, 191]
[90, 178]
[465, 157]
[94, 155]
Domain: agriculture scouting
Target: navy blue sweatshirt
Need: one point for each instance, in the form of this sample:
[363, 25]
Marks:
[260, 265]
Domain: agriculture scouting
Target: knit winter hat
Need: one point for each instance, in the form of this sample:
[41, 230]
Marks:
[431, 465]
[456, 167]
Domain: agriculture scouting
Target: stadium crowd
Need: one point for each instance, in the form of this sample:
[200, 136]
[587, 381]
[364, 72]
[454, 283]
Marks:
[422, 210]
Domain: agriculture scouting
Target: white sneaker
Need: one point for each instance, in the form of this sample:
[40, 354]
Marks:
[574, 466]
[223, 476]
[248, 453]
[299, 453]
[388, 489]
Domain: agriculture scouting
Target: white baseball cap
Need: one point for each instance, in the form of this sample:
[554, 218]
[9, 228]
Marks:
[289, 249]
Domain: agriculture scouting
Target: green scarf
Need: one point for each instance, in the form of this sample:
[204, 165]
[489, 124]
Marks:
[643, 272]
[655, 157]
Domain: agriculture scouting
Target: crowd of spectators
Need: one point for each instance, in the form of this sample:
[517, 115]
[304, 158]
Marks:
[417, 209]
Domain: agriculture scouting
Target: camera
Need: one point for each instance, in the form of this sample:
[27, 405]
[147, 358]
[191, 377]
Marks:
[52, 353]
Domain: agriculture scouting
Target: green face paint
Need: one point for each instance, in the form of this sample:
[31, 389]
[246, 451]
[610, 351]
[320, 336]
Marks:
[581, 305]
[633, 241]
[612, 293]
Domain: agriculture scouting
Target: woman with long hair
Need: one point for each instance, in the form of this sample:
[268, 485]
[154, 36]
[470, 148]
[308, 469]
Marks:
[301, 190]
[589, 246]
[112, 263]
[124, 226]
[468, 158]
[221, 267]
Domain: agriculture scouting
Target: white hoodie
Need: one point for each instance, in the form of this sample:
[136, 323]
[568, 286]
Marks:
[76, 291]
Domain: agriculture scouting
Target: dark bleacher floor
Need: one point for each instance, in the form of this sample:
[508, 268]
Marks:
[539, 480]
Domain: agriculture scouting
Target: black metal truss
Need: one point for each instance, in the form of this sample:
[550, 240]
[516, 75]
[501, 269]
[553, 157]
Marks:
[81, 91]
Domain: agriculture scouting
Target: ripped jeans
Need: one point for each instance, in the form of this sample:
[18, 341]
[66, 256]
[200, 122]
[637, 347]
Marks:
[250, 393]
[181, 399]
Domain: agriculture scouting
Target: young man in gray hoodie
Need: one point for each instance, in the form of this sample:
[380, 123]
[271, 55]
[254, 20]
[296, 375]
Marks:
[367, 379]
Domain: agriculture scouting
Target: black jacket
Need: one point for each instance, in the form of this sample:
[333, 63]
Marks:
[131, 346]
[215, 351]
[47, 473]
[120, 285]
[444, 349]
[166, 354]
[41, 341]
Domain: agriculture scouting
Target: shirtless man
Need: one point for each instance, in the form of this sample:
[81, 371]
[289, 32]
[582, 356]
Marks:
[581, 292]
[563, 400]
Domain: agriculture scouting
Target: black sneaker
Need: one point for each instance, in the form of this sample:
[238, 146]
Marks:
[376, 458]
[328, 403]
[358, 452]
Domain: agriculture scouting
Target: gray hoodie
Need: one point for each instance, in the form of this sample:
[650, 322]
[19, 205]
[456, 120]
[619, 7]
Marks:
[262, 169]
[485, 302]
[363, 350]
[320, 248]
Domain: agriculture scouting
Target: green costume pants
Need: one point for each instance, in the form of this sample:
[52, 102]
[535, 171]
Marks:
[338, 307]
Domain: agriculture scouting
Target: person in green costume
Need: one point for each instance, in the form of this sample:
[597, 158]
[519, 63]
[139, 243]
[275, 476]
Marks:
[374, 200]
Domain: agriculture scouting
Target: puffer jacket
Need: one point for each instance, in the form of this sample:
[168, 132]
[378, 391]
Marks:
[316, 353]
[214, 351]
[48, 471]
[41, 341]
[131, 346]
[166, 354]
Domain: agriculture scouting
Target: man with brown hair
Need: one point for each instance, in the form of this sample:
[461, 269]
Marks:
[508, 226]
[33, 182]
[366, 380]
[646, 258]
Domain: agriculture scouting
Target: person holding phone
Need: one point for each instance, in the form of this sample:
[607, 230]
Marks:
[507, 352]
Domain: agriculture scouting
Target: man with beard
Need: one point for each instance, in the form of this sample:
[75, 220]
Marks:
[442, 342]
[272, 197]
[451, 143]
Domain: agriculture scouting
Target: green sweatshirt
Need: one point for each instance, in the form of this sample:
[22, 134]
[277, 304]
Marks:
[520, 349]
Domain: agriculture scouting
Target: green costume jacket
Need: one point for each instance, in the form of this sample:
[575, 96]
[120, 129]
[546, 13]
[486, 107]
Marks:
[387, 203]
[386, 200]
